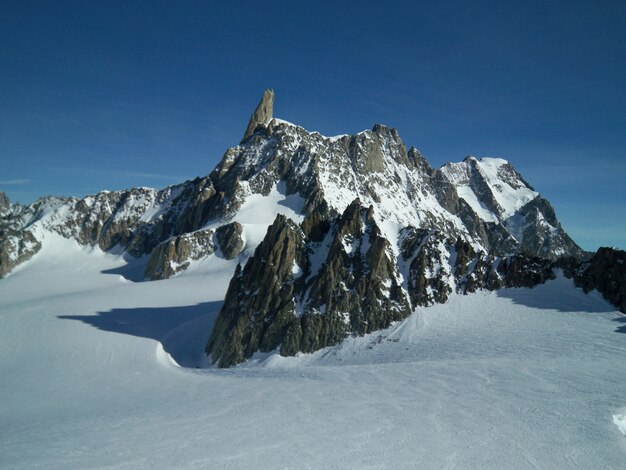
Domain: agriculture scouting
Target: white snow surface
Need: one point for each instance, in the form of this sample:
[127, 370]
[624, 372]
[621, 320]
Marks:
[620, 422]
[93, 377]
[258, 212]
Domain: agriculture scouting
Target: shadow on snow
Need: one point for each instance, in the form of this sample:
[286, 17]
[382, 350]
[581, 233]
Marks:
[133, 270]
[621, 328]
[182, 330]
[563, 300]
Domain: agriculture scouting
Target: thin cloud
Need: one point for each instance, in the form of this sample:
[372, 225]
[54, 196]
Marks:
[133, 174]
[15, 182]
[117, 173]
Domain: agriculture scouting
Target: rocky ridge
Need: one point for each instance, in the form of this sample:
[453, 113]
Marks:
[336, 235]
[309, 287]
[485, 202]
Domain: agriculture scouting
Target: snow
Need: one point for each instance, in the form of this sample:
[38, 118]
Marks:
[156, 209]
[296, 270]
[508, 190]
[258, 212]
[510, 198]
[398, 193]
[349, 244]
[470, 197]
[282, 121]
[620, 422]
[99, 371]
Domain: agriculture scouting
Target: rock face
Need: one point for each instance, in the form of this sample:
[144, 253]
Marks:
[229, 239]
[259, 303]
[605, 272]
[305, 288]
[175, 254]
[15, 248]
[5, 204]
[16, 243]
[284, 297]
[262, 114]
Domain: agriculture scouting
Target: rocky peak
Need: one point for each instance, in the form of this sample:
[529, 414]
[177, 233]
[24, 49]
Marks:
[299, 293]
[5, 204]
[484, 202]
[262, 114]
[259, 303]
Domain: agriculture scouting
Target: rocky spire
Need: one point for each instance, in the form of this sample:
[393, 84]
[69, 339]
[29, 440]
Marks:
[262, 114]
[5, 203]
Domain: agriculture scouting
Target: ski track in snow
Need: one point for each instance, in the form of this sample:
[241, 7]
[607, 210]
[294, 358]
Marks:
[92, 377]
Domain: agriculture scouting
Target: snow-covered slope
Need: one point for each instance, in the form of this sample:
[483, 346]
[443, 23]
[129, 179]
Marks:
[518, 378]
[491, 186]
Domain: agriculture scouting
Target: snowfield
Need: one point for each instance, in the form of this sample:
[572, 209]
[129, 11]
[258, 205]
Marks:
[101, 372]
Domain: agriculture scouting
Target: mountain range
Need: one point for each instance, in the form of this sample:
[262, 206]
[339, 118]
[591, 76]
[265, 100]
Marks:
[329, 236]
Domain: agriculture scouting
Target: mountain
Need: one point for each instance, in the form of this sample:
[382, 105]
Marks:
[333, 235]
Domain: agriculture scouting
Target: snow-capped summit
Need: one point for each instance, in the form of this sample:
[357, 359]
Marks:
[280, 167]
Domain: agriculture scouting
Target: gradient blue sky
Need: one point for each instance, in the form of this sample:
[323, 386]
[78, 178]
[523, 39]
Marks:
[109, 95]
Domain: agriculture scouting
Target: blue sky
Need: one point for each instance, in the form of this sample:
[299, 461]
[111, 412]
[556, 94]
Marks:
[110, 95]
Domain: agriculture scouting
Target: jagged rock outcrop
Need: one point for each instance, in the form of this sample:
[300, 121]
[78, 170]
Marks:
[15, 249]
[300, 295]
[262, 114]
[259, 303]
[358, 281]
[309, 286]
[5, 204]
[606, 273]
[229, 239]
[17, 244]
[176, 254]
[136, 220]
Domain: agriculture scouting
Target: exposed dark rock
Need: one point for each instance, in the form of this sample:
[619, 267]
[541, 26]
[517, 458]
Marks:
[262, 114]
[282, 299]
[259, 304]
[605, 272]
[175, 254]
[478, 184]
[308, 286]
[5, 204]
[15, 249]
[474, 271]
[229, 239]
[359, 280]
[119, 218]
[538, 239]
[419, 161]
[523, 271]
[428, 276]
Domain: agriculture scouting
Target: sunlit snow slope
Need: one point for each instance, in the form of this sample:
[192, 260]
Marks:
[510, 379]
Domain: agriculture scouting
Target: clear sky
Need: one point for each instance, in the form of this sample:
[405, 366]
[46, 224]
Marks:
[109, 95]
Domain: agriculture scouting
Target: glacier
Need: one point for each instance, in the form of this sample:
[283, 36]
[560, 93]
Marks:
[100, 371]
